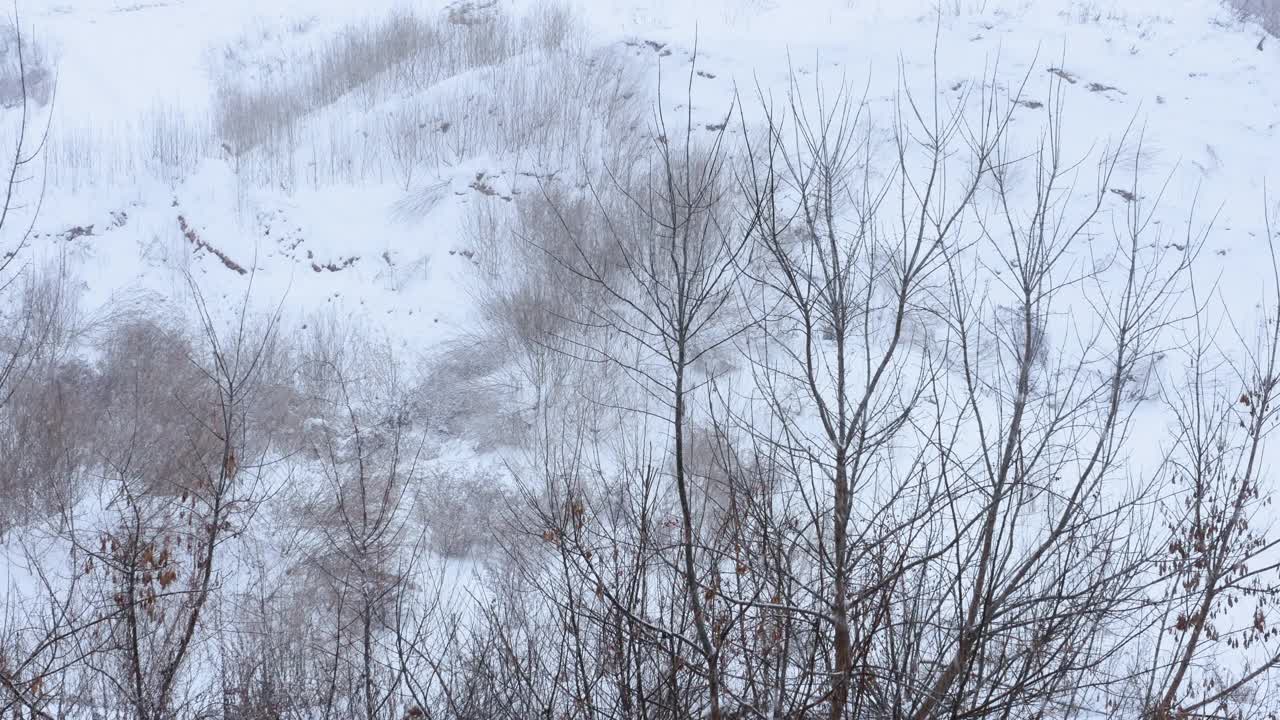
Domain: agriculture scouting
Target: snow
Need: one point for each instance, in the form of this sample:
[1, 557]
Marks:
[1185, 73]
[1187, 76]
[1204, 101]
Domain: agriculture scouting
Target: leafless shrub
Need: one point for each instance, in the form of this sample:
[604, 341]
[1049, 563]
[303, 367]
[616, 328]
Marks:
[155, 554]
[31, 78]
[411, 141]
[528, 300]
[402, 46]
[37, 321]
[269, 668]
[145, 380]
[1264, 12]
[167, 142]
[716, 470]
[50, 411]
[551, 24]
[83, 155]
[461, 394]
[178, 141]
[45, 425]
[249, 115]
[462, 510]
[521, 88]
[356, 522]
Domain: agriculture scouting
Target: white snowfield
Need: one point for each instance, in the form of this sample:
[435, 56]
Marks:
[1186, 74]
[364, 169]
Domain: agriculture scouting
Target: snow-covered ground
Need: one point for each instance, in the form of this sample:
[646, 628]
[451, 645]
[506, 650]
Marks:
[330, 217]
[1187, 74]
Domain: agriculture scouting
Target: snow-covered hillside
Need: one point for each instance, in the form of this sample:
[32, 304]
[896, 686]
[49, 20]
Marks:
[363, 324]
[135, 129]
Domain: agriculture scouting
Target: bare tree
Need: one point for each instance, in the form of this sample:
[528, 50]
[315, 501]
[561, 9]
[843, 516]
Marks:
[28, 323]
[1219, 553]
[836, 422]
[37, 634]
[667, 299]
[369, 457]
[957, 531]
[159, 557]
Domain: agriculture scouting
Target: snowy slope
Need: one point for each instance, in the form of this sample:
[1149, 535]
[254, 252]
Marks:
[358, 241]
[142, 185]
[1185, 72]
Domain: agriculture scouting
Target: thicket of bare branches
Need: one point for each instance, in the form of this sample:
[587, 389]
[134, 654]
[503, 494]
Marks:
[830, 412]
